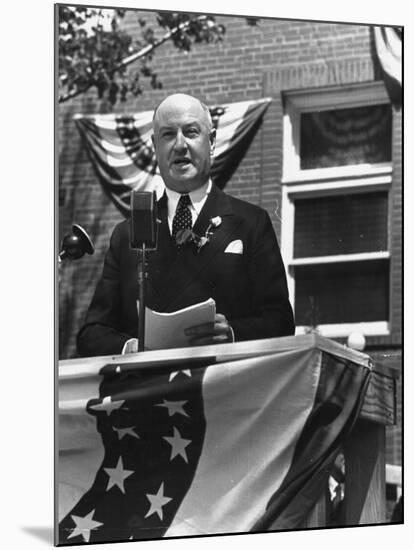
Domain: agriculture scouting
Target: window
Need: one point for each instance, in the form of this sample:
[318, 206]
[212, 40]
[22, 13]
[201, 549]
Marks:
[336, 179]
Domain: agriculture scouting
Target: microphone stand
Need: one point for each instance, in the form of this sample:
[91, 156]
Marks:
[142, 276]
[143, 238]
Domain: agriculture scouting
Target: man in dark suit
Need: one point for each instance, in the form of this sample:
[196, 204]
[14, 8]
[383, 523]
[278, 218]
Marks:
[240, 267]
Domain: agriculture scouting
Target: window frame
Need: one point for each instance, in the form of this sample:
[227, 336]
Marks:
[311, 183]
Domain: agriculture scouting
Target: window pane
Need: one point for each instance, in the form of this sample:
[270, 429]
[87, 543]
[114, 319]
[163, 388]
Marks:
[353, 292]
[341, 224]
[345, 136]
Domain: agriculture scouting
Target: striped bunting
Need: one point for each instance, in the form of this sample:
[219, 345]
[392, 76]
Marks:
[388, 43]
[123, 157]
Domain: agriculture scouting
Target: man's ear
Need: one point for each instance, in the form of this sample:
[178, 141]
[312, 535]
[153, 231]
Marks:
[212, 138]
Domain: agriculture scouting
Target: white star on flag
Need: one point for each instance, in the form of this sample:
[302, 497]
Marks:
[174, 407]
[157, 502]
[187, 372]
[117, 475]
[108, 405]
[178, 445]
[122, 432]
[84, 526]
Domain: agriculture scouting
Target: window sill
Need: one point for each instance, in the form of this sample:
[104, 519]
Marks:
[343, 330]
[379, 174]
[340, 258]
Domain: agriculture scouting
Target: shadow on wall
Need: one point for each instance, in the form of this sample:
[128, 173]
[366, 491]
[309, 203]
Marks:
[78, 278]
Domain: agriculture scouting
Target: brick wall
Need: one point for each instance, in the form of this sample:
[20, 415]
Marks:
[250, 63]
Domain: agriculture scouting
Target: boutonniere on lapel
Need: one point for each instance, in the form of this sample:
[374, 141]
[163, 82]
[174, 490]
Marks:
[187, 236]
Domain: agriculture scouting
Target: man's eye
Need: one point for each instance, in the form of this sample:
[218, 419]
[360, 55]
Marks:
[192, 132]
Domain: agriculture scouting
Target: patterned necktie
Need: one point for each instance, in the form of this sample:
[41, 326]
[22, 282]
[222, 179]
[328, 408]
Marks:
[182, 218]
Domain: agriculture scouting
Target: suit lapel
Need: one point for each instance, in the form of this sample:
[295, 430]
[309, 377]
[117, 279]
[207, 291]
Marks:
[217, 204]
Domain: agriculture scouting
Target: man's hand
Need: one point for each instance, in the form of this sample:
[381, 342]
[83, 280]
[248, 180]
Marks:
[130, 346]
[218, 332]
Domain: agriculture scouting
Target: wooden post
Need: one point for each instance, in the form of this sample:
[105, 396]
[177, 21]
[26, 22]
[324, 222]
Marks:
[365, 474]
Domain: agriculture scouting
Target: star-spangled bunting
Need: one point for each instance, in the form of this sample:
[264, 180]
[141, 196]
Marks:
[152, 436]
[181, 478]
[157, 502]
[178, 445]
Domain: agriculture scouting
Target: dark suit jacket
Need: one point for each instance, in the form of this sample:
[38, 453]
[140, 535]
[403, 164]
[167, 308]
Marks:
[249, 288]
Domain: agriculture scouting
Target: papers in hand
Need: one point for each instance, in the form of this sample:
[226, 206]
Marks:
[166, 330]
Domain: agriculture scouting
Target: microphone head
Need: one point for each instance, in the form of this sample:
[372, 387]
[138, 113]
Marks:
[76, 244]
[143, 225]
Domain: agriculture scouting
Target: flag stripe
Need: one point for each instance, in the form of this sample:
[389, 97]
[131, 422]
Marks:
[249, 440]
[337, 404]
[236, 141]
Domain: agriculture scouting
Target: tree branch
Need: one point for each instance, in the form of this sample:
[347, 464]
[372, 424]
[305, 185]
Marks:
[137, 55]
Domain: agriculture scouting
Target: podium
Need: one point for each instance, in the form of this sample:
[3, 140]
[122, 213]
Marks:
[361, 436]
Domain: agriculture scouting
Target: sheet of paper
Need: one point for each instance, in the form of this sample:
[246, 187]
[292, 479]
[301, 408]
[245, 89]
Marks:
[166, 330]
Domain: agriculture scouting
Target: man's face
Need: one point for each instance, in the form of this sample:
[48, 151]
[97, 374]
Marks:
[183, 143]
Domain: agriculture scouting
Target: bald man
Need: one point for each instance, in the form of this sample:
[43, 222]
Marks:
[241, 267]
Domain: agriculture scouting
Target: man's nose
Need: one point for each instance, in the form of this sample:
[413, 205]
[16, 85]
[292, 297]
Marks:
[180, 141]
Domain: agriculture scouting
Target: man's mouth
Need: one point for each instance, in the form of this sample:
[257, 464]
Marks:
[181, 162]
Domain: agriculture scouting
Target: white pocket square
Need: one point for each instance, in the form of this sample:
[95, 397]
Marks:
[235, 247]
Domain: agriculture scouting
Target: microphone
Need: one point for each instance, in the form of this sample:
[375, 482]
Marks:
[143, 222]
[75, 245]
